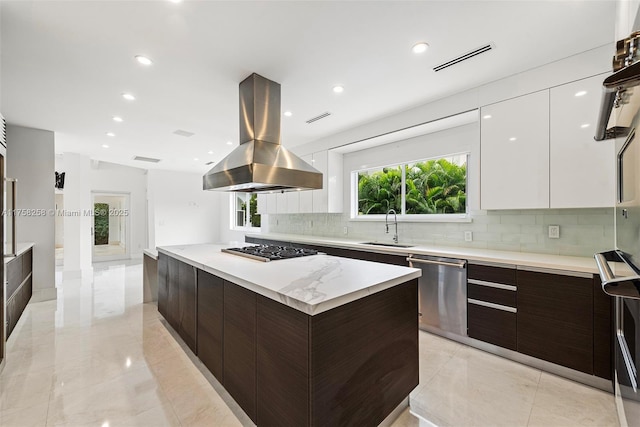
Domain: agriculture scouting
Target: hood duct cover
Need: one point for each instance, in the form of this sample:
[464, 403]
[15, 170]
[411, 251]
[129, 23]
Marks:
[261, 163]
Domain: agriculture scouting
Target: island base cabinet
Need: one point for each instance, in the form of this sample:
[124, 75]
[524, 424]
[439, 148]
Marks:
[283, 365]
[240, 346]
[364, 357]
[210, 320]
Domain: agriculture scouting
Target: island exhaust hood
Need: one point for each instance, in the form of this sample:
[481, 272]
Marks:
[261, 163]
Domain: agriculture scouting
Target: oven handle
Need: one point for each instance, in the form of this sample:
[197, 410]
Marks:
[626, 286]
[461, 264]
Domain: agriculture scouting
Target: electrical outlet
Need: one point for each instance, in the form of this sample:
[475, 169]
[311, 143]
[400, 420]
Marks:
[345, 230]
[554, 231]
[468, 236]
[311, 224]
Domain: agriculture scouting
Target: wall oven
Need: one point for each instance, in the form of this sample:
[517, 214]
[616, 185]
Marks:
[620, 268]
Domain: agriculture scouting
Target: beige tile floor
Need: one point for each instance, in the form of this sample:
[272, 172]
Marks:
[99, 357]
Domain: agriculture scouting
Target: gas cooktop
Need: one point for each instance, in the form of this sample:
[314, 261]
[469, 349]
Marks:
[270, 252]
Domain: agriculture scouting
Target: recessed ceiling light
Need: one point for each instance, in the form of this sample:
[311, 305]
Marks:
[105, 146]
[513, 138]
[338, 89]
[288, 113]
[420, 47]
[143, 60]
[175, 1]
[210, 152]
[486, 116]
[128, 97]
[195, 159]
[229, 142]
[581, 93]
[111, 134]
[586, 125]
[117, 119]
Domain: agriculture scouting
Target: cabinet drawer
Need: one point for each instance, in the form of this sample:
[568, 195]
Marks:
[492, 325]
[489, 273]
[487, 291]
[14, 276]
[27, 264]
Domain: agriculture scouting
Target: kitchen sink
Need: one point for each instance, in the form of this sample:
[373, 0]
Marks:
[393, 245]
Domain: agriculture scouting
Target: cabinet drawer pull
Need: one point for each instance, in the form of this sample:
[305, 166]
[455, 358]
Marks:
[492, 285]
[492, 305]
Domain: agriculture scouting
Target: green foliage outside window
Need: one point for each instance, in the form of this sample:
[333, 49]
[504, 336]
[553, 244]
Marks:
[101, 223]
[254, 216]
[431, 187]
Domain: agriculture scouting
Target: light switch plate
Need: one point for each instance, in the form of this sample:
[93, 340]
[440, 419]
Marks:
[554, 231]
[345, 230]
[468, 236]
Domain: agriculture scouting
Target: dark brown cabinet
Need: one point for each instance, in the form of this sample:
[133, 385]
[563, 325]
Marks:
[239, 346]
[555, 318]
[210, 322]
[177, 292]
[19, 288]
[491, 308]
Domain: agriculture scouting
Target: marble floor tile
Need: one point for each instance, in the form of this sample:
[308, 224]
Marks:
[99, 356]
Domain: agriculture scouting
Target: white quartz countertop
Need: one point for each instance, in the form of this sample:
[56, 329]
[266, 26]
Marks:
[311, 284]
[524, 259]
[21, 248]
[153, 253]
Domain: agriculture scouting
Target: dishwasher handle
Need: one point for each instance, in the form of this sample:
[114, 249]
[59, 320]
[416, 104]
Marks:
[460, 264]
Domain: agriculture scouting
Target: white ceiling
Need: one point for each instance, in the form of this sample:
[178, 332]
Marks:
[65, 64]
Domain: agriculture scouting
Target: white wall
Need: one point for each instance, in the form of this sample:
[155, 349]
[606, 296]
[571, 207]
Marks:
[180, 211]
[107, 177]
[30, 159]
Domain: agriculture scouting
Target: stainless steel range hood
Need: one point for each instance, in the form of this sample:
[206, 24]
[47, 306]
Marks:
[261, 163]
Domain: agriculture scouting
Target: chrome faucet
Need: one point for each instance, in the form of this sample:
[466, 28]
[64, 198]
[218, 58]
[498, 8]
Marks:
[395, 220]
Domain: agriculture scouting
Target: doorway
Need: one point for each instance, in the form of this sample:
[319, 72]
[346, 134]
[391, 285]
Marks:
[110, 239]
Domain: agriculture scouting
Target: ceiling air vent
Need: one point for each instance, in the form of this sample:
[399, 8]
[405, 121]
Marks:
[316, 118]
[146, 159]
[209, 163]
[468, 55]
[184, 133]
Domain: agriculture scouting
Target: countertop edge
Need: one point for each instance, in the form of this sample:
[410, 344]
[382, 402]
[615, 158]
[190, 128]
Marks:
[22, 247]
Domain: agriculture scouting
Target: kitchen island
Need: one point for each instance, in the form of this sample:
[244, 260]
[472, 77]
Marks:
[317, 340]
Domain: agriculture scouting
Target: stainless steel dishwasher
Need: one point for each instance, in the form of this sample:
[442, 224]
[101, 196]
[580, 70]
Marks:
[442, 294]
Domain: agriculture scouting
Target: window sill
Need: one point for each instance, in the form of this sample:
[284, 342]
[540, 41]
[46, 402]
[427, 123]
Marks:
[250, 229]
[414, 218]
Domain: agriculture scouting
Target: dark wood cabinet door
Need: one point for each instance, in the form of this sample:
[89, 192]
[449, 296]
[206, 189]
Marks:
[210, 321]
[27, 264]
[555, 319]
[492, 325]
[240, 346]
[14, 275]
[602, 331]
[187, 322]
[173, 294]
[282, 365]
[163, 285]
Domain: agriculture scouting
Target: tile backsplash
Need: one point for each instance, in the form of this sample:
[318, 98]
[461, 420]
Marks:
[582, 231]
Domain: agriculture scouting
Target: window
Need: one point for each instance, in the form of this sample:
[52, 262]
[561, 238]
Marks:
[244, 209]
[414, 189]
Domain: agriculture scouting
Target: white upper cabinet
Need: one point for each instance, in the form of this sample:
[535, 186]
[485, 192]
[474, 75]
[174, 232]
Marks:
[582, 169]
[306, 197]
[329, 198]
[262, 204]
[514, 153]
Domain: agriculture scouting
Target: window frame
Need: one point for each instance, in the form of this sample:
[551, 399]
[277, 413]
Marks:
[403, 216]
[247, 213]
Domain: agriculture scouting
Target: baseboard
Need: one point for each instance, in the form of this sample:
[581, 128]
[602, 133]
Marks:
[48, 294]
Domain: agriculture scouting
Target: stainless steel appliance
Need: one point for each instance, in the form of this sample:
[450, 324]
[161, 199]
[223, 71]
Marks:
[620, 116]
[261, 163]
[442, 294]
[270, 252]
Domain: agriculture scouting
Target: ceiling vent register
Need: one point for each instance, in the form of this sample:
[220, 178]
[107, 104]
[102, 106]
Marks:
[316, 118]
[146, 159]
[184, 133]
[459, 59]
